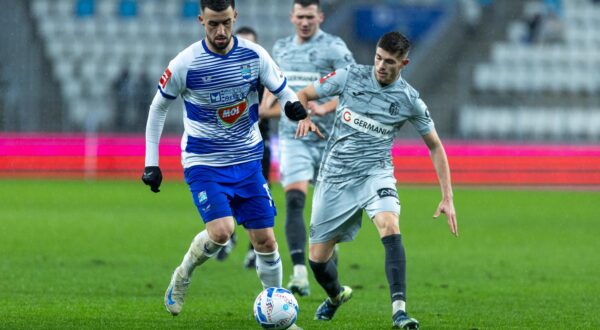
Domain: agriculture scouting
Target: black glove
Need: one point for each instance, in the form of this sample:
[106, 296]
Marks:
[295, 111]
[152, 177]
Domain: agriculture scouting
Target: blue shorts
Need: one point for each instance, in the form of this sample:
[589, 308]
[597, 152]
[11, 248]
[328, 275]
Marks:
[237, 190]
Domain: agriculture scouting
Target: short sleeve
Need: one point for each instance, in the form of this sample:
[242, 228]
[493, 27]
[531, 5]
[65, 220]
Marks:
[342, 55]
[420, 117]
[332, 84]
[271, 75]
[172, 81]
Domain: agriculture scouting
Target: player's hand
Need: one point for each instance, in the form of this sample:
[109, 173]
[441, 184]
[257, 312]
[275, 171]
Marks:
[306, 126]
[295, 111]
[447, 207]
[152, 177]
[316, 109]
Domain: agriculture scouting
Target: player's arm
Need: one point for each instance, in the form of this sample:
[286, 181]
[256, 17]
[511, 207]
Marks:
[440, 163]
[309, 93]
[322, 109]
[269, 108]
[170, 86]
[154, 126]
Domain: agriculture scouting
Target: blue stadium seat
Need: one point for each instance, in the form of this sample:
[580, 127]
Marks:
[190, 9]
[85, 8]
[128, 8]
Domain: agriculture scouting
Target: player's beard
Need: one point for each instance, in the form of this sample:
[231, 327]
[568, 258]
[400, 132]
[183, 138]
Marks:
[219, 46]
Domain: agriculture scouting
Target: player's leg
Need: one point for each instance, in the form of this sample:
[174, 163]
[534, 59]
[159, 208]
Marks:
[212, 202]
[325, 271]
[268, 261]
[254, 208]
[250, 258]
[297, 167]
[336, 217]
[384, 210]
[295, 233]
[227, 249]
[204, 246]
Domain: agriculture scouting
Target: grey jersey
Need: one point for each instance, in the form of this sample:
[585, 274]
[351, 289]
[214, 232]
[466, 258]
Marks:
[304, 63]
[366, 120]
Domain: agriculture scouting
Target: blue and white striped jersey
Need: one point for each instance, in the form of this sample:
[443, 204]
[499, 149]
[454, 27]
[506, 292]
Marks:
[220, 100]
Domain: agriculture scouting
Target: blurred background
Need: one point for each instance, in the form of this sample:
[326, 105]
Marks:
[513, 86]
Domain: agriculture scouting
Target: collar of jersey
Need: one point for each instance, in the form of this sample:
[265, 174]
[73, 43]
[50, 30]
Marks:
[314, 37]
[207, 50]
[378, 85]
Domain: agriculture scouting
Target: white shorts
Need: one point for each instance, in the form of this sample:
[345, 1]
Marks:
[299, 160]
[337, 208]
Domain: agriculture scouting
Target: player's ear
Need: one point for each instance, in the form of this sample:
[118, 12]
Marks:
[200, 19]
[405, 62]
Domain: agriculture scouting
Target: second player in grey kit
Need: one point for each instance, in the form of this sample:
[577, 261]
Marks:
[304, 57]
[357, 172]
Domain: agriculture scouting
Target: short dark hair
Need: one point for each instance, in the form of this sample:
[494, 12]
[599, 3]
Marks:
[395, 43]
[247, 30]
[217, 5]
[306, 3]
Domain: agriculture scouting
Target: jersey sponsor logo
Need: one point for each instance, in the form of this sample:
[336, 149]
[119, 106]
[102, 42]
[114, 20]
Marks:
[387, 192]
[246, 71]
[231, 114]
[331, 74]
[301, 78]
[164, 79]
[229, 95]
[366, 125]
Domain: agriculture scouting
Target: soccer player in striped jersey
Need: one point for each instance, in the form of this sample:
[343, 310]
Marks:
[221, 147]
[357, 172]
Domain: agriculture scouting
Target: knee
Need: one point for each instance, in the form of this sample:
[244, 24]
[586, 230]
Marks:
[220, 235]
[266, 245]
[295, 199]
[318, 254]
[390, 228]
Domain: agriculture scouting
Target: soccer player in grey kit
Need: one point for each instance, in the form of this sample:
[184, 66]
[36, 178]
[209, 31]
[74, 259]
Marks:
[357, 172]
[304, 57]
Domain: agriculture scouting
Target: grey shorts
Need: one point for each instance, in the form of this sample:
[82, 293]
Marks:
[299, 160]
[337, 209]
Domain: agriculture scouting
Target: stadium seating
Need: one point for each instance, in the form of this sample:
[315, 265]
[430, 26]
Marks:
[89, 43]
[518, 69]
[563, 67]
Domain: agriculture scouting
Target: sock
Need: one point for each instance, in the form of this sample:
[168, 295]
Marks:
[395, 270]
[326, 275]
[201, 249]
[295, 230]
[269, 269]
[398, 305]
[300, 271]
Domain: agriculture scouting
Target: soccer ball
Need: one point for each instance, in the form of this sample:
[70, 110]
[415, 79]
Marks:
[275, 308]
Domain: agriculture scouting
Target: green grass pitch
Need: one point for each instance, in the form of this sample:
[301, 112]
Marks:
[77, 254]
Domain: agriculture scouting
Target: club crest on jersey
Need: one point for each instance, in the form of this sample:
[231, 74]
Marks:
[331, 74]
[164, 79]
[246, 72]
[231, 114]
[394, 109]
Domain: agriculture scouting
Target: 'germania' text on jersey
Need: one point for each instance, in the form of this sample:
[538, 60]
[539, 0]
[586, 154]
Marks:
[220, 101]
[304, 63]
[366, 120]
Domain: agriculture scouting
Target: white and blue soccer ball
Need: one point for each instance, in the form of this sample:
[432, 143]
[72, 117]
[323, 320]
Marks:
[275, 308]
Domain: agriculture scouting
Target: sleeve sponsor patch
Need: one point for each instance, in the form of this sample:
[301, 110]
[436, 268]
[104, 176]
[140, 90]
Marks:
[164, 79]
[331, 74]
